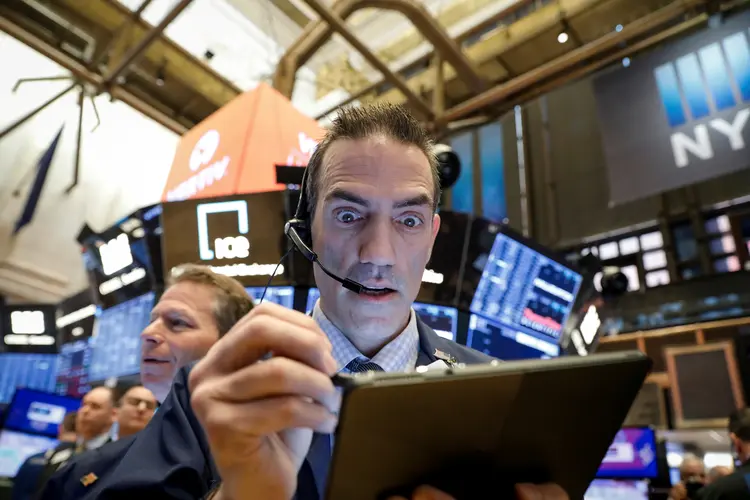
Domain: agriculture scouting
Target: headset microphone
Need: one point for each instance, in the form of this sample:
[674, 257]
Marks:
[300, 223]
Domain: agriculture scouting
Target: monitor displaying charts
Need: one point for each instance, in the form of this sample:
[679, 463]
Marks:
[116, 345]
[522, 295]
[442, 319]
[16, 447]
[281, 295]
[32, 371]
[73, 368]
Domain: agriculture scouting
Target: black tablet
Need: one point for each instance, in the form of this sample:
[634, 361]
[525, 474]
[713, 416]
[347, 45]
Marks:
[475, 431]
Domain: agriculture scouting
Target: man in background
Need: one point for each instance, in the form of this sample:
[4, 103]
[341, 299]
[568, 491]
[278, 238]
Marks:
[735, 486]
[717, 472]
[135, 409]
[692, 478]
[198, 307]
[27, 479]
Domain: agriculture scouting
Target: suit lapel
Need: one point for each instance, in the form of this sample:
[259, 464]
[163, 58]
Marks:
[429, 344]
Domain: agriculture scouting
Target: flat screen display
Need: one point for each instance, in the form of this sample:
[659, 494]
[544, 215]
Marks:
[312, 297]
[16, 447]
[116, 345]
[442, 319]
[281, 295]
[73, 368]
[525, 290]
[631, 455]
[32, 371]
[503, 342]
[36, 412]
[603, 489]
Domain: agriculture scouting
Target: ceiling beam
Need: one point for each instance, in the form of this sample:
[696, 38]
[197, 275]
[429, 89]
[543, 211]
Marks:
[316, 34]
[82, 73]
[337, 25]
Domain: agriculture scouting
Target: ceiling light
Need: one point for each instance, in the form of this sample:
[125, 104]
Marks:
[562, 37]
[626, 61]
[618, 28]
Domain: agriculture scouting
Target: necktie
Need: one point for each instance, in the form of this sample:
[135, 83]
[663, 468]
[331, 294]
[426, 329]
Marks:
[357, 366]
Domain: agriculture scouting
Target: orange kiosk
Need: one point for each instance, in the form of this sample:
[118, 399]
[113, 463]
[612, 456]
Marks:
[236, 149]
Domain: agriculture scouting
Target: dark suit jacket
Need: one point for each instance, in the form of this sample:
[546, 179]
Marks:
[170, 458]
[735, 486]
[26, 481]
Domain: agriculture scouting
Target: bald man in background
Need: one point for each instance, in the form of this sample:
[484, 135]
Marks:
[135, 409]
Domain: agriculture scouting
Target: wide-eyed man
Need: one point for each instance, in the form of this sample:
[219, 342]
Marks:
[198, 307]
[254, 427]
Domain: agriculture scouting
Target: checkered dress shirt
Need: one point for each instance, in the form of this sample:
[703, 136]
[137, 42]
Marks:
[399, 355]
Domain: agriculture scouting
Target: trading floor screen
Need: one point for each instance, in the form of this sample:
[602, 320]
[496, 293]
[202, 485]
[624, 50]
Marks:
[442, 319]
[522, 294]
[281, 295]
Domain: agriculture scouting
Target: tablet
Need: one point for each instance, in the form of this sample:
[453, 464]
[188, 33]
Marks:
[475, 431]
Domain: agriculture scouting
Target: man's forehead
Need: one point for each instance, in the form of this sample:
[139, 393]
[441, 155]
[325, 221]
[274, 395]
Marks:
[187, 295]
[374, 158]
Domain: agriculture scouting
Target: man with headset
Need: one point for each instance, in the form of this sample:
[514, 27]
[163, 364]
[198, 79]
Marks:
[251, 420]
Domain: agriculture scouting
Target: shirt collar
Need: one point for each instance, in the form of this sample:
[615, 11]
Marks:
[96, 442]
[399, 355]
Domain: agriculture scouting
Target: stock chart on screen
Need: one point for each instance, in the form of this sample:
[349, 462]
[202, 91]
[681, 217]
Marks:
[116, 345]
[73, 368]
[521, 303]
[522, 288]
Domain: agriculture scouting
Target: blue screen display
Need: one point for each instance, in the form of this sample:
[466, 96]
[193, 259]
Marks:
[603, 489]
[312, 297]
[503, 342]
[442, 319]
[73, 368]
[521, 295]
[37, 412]
[33, 371]
[116, 345]
[281, 295]
[16, 447]
[631, 455]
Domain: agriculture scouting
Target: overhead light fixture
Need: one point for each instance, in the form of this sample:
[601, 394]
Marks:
[626, 61]
[618, 28]
[562, 37]
[160, 76]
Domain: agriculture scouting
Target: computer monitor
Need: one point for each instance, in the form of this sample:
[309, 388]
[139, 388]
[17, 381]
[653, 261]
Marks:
[16, 447]
[73, 368]
[631, 455]
[442, 319]
[281, 295]
[606, 489]
[503, 342]
[37, 412]
[313, 295]
[116, 345]
[523, 293]
[32, 371]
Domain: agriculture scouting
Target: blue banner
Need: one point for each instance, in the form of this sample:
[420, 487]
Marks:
[42, 169]
[493, 173]
[462, 192]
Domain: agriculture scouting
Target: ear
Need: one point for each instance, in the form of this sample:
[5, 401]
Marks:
[435, 230]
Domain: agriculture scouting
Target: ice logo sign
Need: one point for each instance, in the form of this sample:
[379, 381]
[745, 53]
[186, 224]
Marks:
[229, 247]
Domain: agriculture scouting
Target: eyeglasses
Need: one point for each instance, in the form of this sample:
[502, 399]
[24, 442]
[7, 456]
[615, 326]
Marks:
[134, 401]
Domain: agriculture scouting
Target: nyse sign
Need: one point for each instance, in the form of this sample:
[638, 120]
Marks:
[678, 115]
[701, 84]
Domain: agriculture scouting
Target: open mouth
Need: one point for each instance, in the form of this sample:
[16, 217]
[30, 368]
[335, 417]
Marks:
[377, 292]
[155, 360]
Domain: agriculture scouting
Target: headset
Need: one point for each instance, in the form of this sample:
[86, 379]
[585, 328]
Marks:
[298, 231]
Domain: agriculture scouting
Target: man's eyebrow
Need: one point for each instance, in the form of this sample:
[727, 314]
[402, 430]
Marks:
[414, 201]
[340, 194]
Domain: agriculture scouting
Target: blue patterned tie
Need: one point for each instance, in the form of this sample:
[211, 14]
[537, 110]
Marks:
[357, 366]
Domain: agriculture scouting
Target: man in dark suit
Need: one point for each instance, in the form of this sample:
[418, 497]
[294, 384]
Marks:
[735, 486]
[253, 418]
[198, 307]
[26, 482]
